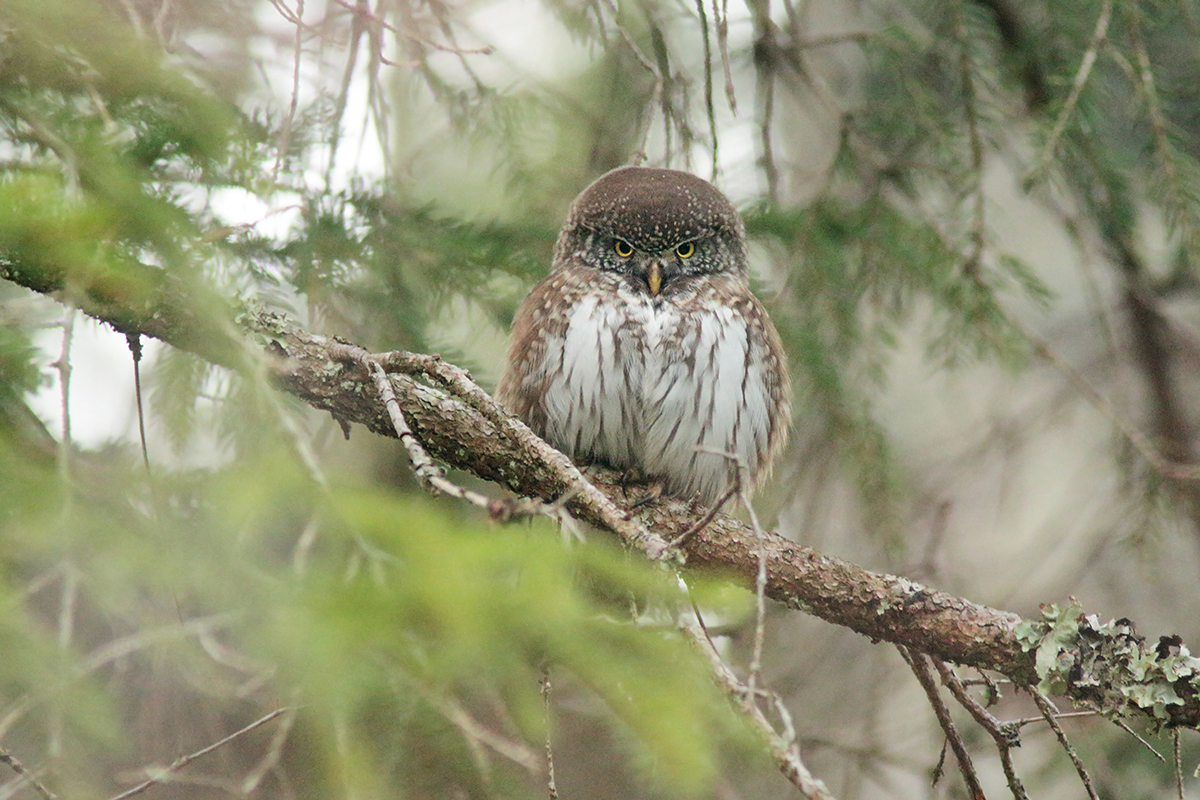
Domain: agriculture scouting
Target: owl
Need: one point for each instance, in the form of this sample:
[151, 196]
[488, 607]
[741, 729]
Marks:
[644, 348]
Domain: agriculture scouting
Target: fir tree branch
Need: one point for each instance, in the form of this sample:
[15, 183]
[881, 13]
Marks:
[460, 425]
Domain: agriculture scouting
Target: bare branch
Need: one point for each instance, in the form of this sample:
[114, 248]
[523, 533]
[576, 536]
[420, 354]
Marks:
[161, 774]
[19, 768]
[1006, 735]
[783, 749]
[1050, 713]
[551, 785]
[920, 668]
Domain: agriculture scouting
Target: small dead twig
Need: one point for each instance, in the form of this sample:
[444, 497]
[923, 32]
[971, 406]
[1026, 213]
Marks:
[1050, 713]
[19, 768]
[583, 493]
[162, 773]
[479, 736]
[285, 135]
[1125, 727]
[704, 521]
[375, 19]
[1023, 721]
[430, 474]
[920, 667]
[271, 758]
[657, 98]
[783, 747]
[427, 472]
[760, 585]
[739, 486]
[709, 108]
[1006, 735]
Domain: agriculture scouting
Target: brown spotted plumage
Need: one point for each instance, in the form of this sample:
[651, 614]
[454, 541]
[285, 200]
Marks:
[644, 348]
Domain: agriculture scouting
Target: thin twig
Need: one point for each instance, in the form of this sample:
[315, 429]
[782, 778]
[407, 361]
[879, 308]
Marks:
[974, 263]
[647, 64]
[1050, 714]
[739, 486]
[1178, 765]
[1125, 727]
[709, 107]
[1005, 735]
[551, 785]
[430, 474]
[1023, 721]
[1099, 36]
[63, 365]
[920, 667]
[183, 761]
[285, 135]
[783, 749]
[458, 382]
[479, 736]
[16, 766]
[1160, 463]
[721, 20]
[704, 521]
[765, 67]
[383, 23]
[271, 758]
[1184, 206]
[760, 585]
[70, 584]
[427, 472]
[1158, 121]
[134, 340]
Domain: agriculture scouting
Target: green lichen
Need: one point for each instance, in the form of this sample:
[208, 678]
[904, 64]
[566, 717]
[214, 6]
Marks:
[1107, 665]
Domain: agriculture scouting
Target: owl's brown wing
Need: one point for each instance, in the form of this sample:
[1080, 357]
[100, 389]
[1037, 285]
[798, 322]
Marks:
[777, 380]
[544, 314]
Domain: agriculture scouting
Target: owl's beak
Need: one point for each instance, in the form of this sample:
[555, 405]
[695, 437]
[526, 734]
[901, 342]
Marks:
[654, 279]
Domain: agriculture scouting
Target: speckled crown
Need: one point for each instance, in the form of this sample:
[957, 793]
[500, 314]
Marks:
[653, 209]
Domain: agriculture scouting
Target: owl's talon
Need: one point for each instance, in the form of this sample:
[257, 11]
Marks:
[655, 491]
[630, 477]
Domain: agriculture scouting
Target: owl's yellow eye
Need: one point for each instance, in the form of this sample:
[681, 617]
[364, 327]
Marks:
[624, 249]
[685, 250]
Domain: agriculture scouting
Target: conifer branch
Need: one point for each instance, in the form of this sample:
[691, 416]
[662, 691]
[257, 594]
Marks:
[460, 425]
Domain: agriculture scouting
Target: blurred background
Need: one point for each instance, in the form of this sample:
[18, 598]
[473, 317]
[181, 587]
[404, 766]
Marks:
[974, 223]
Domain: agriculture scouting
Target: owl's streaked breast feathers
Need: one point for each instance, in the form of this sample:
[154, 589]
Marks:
[644, 348]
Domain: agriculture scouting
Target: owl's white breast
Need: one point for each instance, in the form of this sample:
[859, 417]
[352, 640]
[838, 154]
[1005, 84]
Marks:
[650, 385]
[704, 397]
[590, 411]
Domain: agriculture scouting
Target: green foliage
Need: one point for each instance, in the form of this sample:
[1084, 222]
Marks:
[383, 615]
[440, 609]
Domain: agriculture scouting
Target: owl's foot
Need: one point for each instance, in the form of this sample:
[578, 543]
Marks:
[654, 490]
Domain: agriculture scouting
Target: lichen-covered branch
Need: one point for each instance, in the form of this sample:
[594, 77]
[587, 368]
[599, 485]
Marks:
[457, 423]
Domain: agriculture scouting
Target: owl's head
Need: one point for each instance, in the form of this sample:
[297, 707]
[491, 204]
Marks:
[654, 226]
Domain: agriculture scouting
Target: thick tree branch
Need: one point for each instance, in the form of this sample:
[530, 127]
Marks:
[459, 424]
